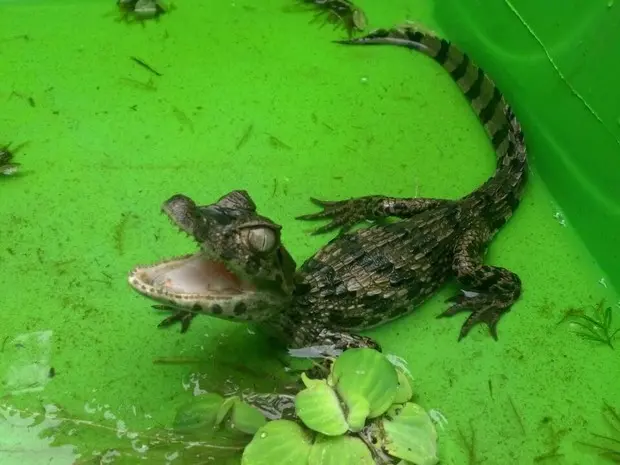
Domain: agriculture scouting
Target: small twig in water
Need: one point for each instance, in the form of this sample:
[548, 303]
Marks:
[514, 410]
[245, 137]
[469, 444]
[183, 118]
[277, 143]
[146, 66]
[149, 85]
[119, 232]
[552, 454]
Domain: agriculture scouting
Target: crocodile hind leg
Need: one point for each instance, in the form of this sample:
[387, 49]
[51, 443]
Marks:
[327, 344]
[340, 340]
[344, 214]
[488, 291]
[272, 405]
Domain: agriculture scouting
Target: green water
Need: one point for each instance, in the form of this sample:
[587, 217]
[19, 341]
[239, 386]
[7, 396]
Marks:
[328, 121]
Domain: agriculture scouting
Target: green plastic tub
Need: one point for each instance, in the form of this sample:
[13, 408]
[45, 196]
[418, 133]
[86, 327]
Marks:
[251, 96]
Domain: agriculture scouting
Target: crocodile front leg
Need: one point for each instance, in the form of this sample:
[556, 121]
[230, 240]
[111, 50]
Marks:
[488, 291]
[185, 317]
[346, 213]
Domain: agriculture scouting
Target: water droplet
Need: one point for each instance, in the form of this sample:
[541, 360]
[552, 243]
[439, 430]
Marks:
[610, 3]
[263, 435]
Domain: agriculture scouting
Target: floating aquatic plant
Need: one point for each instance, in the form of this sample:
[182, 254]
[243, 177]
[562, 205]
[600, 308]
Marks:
[609, 446]
[213, 412]
[597, 327]
[360, 414]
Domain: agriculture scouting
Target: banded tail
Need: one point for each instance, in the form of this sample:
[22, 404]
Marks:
[485, 98]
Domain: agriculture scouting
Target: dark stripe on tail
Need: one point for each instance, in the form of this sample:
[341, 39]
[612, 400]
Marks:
[461, 69]
[500, 136]
[474, 90]
[489, 110]
[442, 54]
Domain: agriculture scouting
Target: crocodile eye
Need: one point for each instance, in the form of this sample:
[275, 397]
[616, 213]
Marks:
[262, 239]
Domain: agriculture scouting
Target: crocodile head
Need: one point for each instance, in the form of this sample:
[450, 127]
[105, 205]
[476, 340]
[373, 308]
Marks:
[240, 272]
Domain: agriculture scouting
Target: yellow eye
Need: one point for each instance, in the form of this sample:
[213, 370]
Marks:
[262, 239]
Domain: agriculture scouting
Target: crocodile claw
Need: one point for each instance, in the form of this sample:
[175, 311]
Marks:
[484, 309]
[184, 316]
[344, 214]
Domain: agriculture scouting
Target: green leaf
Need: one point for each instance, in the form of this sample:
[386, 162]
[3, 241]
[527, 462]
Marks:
[282, 441]
[594, 324]
[368, 373]
[340, 450]
[319, 408]
[246, 418]
[309, 382]
[607, 318]
[359, 19]
[590, 337]
[410, 435]
[404, 392]
[200, 414]
[225, 409]
[359, 409]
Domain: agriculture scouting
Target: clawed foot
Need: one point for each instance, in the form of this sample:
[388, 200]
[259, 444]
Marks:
[322, 367]
[273, 406]
[184, 316]
[485, 309]
[344, 213]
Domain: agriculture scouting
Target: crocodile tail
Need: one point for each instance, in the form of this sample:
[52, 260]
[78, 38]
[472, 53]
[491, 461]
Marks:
[485, 98]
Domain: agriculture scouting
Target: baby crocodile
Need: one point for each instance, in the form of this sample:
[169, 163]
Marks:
[364, 278]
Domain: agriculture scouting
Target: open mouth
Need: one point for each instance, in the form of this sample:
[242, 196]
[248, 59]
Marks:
[189, 279]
